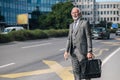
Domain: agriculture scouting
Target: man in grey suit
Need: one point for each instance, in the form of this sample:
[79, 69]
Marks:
[79, 43]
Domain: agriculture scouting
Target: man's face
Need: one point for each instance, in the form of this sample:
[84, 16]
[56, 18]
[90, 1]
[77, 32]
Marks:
[75, 13]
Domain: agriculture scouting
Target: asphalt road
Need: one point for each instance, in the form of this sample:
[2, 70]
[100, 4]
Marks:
[43, 59]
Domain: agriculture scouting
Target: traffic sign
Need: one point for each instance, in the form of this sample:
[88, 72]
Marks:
[114, 25]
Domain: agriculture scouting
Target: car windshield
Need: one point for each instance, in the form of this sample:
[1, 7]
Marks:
[98, 29]
[7, 30]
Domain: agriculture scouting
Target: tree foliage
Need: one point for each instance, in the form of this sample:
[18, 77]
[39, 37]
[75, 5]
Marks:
[104, 24]
[58, 18]
[118, 25]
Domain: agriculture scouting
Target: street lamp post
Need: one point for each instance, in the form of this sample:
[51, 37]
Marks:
[106, 24]
[119, 11]
[93, 13]
[29, 17]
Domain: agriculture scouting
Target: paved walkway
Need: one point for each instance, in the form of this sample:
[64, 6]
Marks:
[111, 67]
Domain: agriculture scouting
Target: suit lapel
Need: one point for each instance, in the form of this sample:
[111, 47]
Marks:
[71, 26]
[78, 27]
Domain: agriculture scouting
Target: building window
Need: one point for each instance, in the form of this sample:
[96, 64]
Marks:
[82, 6]
[117, 12]
[28, 1]
[105, 12]
[114, 19]
[0, 4]
[104, 19]
[114, 12]
[85, 18]
[104, 5]
[111, 12]
[110, 5]
[113, 5]
[90, 12]
[33, 1]
[98, 13]
[107, 5]
[117, 18]
[111, 18]
[101, 12]
[82, 12]
[107, 19]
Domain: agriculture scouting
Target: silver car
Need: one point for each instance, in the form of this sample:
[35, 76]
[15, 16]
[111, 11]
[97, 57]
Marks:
[100, 33]
[117, 32]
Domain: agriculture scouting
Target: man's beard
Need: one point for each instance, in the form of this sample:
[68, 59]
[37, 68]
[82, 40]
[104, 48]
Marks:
[75, 18]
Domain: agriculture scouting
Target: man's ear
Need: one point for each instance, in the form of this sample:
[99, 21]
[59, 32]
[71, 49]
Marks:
[80, 14]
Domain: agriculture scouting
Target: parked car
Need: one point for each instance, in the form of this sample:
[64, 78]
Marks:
[9, 29]
[100, 33]
[117, 32]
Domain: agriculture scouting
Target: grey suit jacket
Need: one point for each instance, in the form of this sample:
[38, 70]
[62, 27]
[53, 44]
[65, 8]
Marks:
[82, 38]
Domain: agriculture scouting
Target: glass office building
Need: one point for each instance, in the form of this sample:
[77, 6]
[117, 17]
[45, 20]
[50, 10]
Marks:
[11, 8]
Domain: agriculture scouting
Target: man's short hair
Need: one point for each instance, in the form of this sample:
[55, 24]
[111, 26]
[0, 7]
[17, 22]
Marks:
[77, 9]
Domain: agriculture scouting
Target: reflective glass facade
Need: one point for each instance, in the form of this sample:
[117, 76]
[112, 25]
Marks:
[11, 8]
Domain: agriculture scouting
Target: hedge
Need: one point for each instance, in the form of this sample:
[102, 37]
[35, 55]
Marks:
[4, 38]
[56, 33]
[23, 35]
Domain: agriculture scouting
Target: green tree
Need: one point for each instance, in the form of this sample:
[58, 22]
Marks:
[58, 18]
[109, 25]
[43, 23]
[118, 25]
[61, 12]
[104, 24]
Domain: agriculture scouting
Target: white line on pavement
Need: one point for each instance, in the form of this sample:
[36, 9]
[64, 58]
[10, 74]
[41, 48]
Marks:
[36, 45]
[106, 59]
[7, 65]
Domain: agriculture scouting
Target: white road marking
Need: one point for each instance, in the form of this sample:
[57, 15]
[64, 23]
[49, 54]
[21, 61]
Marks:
[112, 54]
[62, 49]
[6, 65]
[36, 45]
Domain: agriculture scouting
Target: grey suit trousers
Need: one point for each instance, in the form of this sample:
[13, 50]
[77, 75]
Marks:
[76, 57]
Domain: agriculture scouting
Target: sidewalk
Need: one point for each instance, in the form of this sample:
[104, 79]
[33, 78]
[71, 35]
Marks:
[111, 67]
